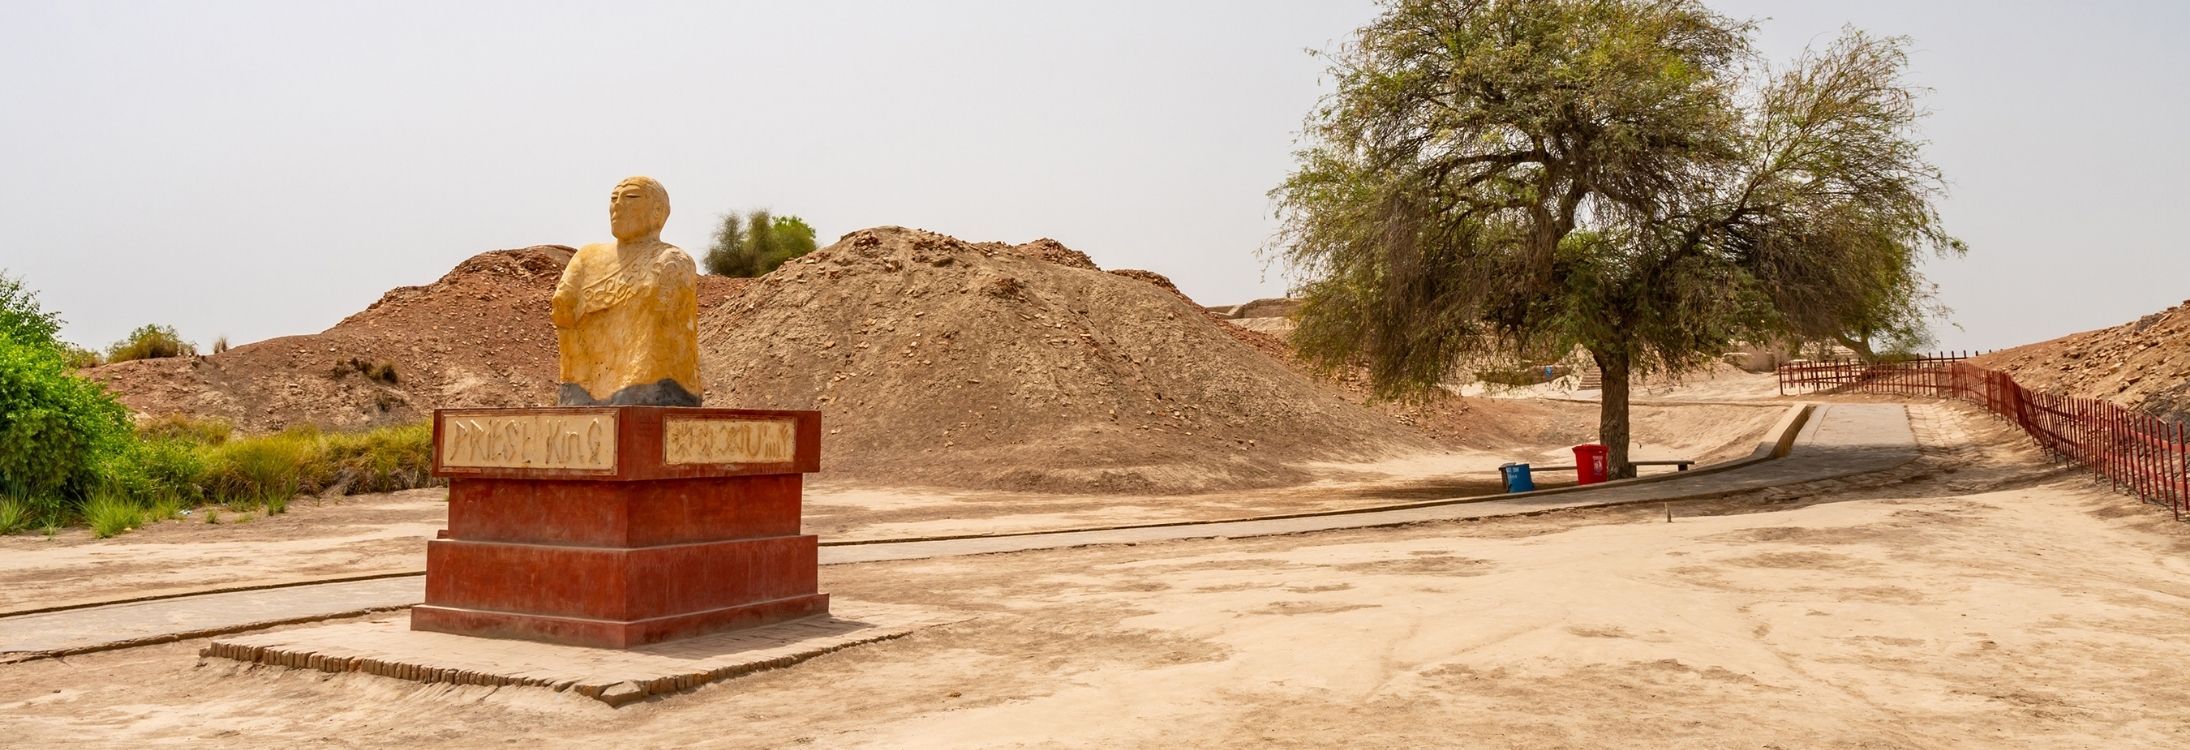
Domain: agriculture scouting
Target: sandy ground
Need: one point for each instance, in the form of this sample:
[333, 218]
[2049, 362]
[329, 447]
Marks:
[1976, 598]
[317, 538]
[387, 533]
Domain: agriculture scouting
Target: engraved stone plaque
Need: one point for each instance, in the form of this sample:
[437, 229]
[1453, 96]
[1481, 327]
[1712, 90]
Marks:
[699, 441]
[580, 441]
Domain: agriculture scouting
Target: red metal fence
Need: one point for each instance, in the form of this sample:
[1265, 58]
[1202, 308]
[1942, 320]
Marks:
[2137, 452]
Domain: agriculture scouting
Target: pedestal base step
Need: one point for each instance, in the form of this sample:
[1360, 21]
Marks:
[388, 647]
[579, 631]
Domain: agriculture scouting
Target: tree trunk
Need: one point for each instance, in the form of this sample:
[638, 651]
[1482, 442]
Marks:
[1861, 347]
[1612, 418]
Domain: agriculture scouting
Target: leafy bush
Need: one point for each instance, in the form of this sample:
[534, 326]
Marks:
[758, 243]
[21, 319]
[161, 471]
[150, 342]
[109, 514]
[60, 431]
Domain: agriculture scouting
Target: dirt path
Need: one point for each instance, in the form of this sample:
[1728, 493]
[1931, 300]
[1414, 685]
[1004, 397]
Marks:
[1974, 599]
[387, 533]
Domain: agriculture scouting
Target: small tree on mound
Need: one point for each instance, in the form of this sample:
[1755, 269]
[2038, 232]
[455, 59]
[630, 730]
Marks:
[151, 342]
[757, 243]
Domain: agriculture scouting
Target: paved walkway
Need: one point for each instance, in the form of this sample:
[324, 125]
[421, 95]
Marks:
[1839, 440]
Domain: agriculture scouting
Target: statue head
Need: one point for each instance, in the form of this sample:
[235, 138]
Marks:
[638, 209]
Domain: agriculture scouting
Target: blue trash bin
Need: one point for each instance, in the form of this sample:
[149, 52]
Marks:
[1517, 478]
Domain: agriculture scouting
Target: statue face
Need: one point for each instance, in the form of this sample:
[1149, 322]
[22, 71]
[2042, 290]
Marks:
[637, 209]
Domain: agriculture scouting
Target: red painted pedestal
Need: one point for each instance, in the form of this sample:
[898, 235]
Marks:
[616, 527]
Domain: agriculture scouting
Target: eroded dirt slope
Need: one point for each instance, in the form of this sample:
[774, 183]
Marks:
[2144, 364]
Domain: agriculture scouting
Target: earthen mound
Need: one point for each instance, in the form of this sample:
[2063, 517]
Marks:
[2143, 365]
[1044, 249]
[481, 336]
[941, 362]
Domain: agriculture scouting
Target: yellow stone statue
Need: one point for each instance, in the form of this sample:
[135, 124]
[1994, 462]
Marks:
[627, 312]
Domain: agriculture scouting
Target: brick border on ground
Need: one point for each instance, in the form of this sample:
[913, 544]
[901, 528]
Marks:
[389, 648]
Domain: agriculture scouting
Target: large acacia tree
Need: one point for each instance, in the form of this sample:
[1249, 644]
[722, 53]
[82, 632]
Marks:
[1505, 180]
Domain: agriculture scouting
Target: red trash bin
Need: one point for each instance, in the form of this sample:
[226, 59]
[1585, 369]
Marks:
[1591, 463]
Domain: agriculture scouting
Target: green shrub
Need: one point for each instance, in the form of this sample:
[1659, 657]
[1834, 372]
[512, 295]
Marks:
[110, 514]
[59, 432]
[21, 319]
[179, 427]
[161, 471]
[384, 460]
[166, 509]
[757, 243]
[265, 471]
[79, 358]
[15, 515]
[254, 472]
[150, 342]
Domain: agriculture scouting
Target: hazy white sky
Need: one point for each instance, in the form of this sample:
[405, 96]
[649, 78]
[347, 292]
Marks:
[258, 169]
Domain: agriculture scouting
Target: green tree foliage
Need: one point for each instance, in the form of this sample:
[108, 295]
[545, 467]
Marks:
[59, 433]
[726, 256]
[79, 358]
[754, 244]
[20, 317]
[150, 341]
[1499, 181]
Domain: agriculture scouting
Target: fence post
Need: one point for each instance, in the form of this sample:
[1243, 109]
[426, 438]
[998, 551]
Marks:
[2083, 430]
[2113, 481]
[2114, 417]
[2147, 431]
[2097, 449]
[2113, 446]
[2140, 426]
[2151, 455]
[2130, 425]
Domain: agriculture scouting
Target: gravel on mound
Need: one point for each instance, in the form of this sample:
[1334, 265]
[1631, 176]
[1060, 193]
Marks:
[2143, 365]
[941, 362]
[481, 336]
